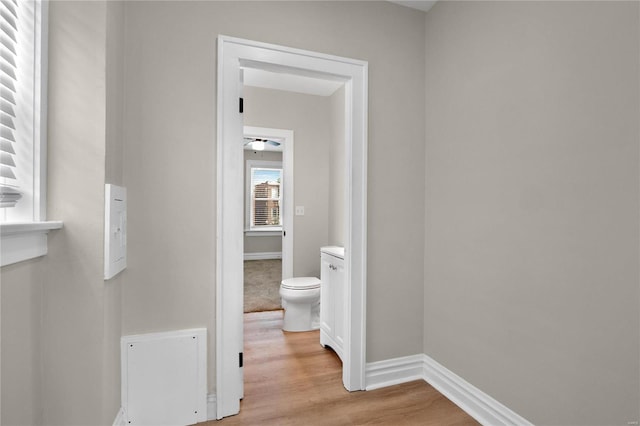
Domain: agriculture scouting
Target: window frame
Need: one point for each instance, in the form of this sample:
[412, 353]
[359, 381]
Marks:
[25, 237]
[251, 230]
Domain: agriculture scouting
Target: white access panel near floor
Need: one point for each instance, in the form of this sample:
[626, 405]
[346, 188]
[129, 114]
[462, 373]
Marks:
[164, 377]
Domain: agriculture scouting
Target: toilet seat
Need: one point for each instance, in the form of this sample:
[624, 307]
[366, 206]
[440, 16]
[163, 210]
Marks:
[301, 283]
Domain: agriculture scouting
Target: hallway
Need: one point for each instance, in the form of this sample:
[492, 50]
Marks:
[291, 380]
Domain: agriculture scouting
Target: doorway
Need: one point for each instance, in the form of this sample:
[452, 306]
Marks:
[233, 54]
[286, 230]
[268, 233]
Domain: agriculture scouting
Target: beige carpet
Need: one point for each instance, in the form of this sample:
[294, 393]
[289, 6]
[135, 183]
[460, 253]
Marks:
[262, 285]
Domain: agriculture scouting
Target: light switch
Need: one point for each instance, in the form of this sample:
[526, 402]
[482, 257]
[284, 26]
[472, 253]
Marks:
[299, 210]
[115, 230]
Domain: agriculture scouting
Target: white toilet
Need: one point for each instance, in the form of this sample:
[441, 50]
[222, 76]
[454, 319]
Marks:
[301, 303]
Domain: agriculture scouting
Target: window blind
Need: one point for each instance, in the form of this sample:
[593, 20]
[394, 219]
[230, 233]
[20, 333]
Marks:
[9, 27]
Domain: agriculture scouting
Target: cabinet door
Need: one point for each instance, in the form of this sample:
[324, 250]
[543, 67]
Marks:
[339, 297]
[326, 297]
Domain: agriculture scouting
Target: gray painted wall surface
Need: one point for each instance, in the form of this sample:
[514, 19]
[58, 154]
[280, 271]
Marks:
[531, 186]
[21, 366]
[337, 170]
[73, 300]
[531, 261]
[114, 174]
[61, 320]
[170, 133]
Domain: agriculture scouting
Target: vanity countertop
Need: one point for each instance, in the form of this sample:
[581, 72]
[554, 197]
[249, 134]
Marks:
[333, 251]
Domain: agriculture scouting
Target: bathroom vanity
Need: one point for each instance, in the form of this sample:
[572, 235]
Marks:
[332, 298]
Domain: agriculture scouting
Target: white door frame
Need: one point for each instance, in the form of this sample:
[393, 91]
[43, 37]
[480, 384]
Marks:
[287, 201]
[232, 54]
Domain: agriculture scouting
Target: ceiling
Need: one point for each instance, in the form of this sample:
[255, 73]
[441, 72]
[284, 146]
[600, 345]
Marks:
[290, 82]
[423, 5]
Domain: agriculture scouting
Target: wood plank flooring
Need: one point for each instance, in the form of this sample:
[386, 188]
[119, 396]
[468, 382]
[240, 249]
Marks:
[291, 380]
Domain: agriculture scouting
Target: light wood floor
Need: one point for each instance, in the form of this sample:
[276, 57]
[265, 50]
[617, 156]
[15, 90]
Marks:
[291, 380]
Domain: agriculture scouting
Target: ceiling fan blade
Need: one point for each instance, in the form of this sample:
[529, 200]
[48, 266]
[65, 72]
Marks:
[247, 141]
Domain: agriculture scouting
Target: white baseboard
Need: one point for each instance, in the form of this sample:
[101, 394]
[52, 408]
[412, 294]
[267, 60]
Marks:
[120, 418]
[476, 403]
[263, 255]
[473, 401]
[211, 407]
[394, 371]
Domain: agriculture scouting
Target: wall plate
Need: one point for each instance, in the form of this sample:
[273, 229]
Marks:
[115, 230]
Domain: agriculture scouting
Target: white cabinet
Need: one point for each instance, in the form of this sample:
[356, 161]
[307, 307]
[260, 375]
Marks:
[332, 299]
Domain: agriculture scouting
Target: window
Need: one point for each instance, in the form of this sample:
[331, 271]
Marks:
[20, 109]
[22, 130]
[264, 196]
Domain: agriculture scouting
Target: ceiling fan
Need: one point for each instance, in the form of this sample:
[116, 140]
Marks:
[259, 144]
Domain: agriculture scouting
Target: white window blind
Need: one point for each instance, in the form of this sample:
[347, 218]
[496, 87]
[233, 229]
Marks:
[266, 197]
[9, 82]
[23, 118]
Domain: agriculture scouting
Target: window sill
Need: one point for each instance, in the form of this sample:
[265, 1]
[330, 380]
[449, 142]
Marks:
[24, 240]
[269, 232]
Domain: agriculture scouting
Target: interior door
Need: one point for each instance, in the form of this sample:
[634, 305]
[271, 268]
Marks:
[241, 237]
[229, 240]
[287, 202]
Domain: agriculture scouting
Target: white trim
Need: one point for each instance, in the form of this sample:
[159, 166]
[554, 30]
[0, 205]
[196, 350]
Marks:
[482, 407]
[24, 241]
[262, 233]
[120, 418]
[476, 403]
[229, 248]
[394, 371]
[234, 53]
[263, 255]
[41, 104]
[211, 406]
[28, 227]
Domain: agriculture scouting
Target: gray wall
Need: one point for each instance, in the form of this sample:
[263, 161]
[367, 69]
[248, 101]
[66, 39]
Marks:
[530, 272]
[60, 320]
[261, 243]
[310, 119]
[80, 314]
[531, 261]
[21, 366]
[114, 174]
[337, 170]
[170, 133]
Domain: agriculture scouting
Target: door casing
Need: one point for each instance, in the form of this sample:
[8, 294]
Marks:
[233, 54]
